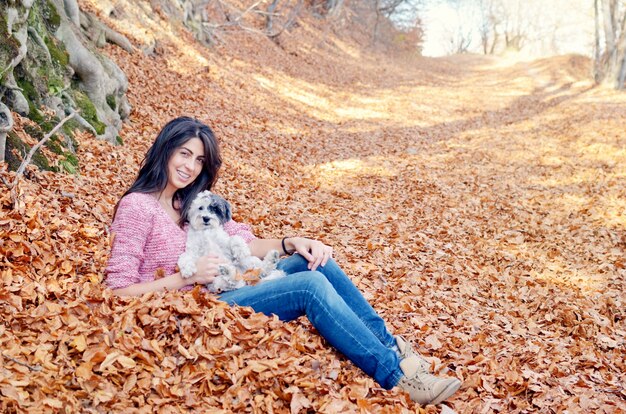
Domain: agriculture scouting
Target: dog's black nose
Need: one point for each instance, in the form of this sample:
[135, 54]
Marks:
[206, 219]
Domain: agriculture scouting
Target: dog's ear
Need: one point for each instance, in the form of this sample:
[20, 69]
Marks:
[224, 208]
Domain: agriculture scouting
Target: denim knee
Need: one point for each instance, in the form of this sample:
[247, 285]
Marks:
[293, 264]
[316, 283]
[297, 263]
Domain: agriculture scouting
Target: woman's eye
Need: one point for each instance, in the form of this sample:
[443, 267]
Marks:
[200, 161]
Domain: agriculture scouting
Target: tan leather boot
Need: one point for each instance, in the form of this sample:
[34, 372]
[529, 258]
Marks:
[422, 387]
[406, 350]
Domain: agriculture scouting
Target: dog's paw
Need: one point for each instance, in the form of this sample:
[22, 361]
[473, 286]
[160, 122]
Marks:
[273, 275]
[220, 284]
[239, 249]
[272, 257]
[227, 271]
[187, 266]
[239, 284]
[224, 284]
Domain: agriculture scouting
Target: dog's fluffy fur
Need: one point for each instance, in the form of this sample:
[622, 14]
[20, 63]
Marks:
[206, 235]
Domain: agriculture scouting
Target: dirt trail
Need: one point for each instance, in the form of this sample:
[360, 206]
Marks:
[479, 203]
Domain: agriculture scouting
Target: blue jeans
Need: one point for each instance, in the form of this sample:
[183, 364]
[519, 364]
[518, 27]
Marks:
[334, 306]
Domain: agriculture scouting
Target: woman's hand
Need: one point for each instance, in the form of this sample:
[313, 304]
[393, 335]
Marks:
[207, 268]
[314, 251]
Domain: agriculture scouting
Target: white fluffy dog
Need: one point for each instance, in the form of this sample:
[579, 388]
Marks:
[206, 235]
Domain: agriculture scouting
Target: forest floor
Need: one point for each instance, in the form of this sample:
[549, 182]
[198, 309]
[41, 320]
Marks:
[479, 203]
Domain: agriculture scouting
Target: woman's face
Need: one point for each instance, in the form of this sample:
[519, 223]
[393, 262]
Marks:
[185, 164]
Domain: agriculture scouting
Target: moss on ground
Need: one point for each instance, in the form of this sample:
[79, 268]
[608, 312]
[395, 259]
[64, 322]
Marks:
[15, 143]
[57, 50]
[54, 144]
[34, 131]
[111, 101]
[69, 163]
[51, 16]
[88, 111]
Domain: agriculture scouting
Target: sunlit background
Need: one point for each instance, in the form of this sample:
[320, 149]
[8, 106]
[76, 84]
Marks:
[528, 28]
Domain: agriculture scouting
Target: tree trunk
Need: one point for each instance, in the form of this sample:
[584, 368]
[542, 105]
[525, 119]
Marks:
[596, 62]
[270, 14]
[610, 63]
[621, 78]
[47, 61]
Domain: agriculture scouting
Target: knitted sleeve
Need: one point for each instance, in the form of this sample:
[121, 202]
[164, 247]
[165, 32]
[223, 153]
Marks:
[239, 229]
[131, 228]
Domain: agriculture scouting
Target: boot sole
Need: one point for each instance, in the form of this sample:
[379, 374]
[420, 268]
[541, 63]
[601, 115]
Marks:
[447, 392]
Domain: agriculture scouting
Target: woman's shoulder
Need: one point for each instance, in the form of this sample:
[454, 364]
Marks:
[138, 203]
[138, 199]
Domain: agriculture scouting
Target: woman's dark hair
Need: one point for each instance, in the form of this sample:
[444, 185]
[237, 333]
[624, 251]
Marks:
[152, 176]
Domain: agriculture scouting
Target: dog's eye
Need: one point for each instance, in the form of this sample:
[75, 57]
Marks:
[201, 208]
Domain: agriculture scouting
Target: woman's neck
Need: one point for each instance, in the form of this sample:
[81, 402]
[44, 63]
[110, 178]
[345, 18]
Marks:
[166, 196]
[165, 200]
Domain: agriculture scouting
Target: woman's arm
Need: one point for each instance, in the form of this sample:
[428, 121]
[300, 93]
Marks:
[260, 247]
[207, 268]
[314, 251]
[170, 282]
[131, 229]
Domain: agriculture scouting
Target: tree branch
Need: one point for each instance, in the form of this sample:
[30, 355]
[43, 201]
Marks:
[24, 364]
[29, 156]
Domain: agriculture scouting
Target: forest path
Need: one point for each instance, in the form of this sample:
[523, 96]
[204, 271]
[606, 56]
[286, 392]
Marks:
[478, 203]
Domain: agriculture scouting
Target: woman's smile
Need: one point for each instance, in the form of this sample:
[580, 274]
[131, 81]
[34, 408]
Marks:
[183, 176]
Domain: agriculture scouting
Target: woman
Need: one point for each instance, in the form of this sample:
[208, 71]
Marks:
[149, 237]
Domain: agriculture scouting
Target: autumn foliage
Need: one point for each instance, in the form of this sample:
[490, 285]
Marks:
[478, 203]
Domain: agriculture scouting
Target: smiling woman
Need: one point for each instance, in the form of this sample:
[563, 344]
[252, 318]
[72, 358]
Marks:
[184, 160]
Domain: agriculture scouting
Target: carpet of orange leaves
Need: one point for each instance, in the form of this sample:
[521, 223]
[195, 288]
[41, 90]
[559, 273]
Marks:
[479, 203]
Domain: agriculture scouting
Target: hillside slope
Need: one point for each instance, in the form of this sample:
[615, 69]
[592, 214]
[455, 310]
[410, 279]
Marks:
[479, 203]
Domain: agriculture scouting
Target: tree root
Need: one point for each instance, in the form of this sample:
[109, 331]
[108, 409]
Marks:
[82, 121]
[99, 78]
[6, 124]
[101, 33]
[33, 33]
[69, 60]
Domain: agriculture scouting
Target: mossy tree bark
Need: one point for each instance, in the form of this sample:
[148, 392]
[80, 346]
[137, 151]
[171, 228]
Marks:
[47, 61]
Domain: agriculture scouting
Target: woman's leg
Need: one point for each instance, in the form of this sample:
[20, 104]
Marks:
[311, 294]
[346, 289]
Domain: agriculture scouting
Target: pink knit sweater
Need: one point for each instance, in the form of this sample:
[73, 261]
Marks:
[147, 241]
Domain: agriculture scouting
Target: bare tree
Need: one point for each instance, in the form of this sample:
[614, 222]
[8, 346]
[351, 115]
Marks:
[383, 9]
[489, 26]
[610, 62]
[461, 30]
